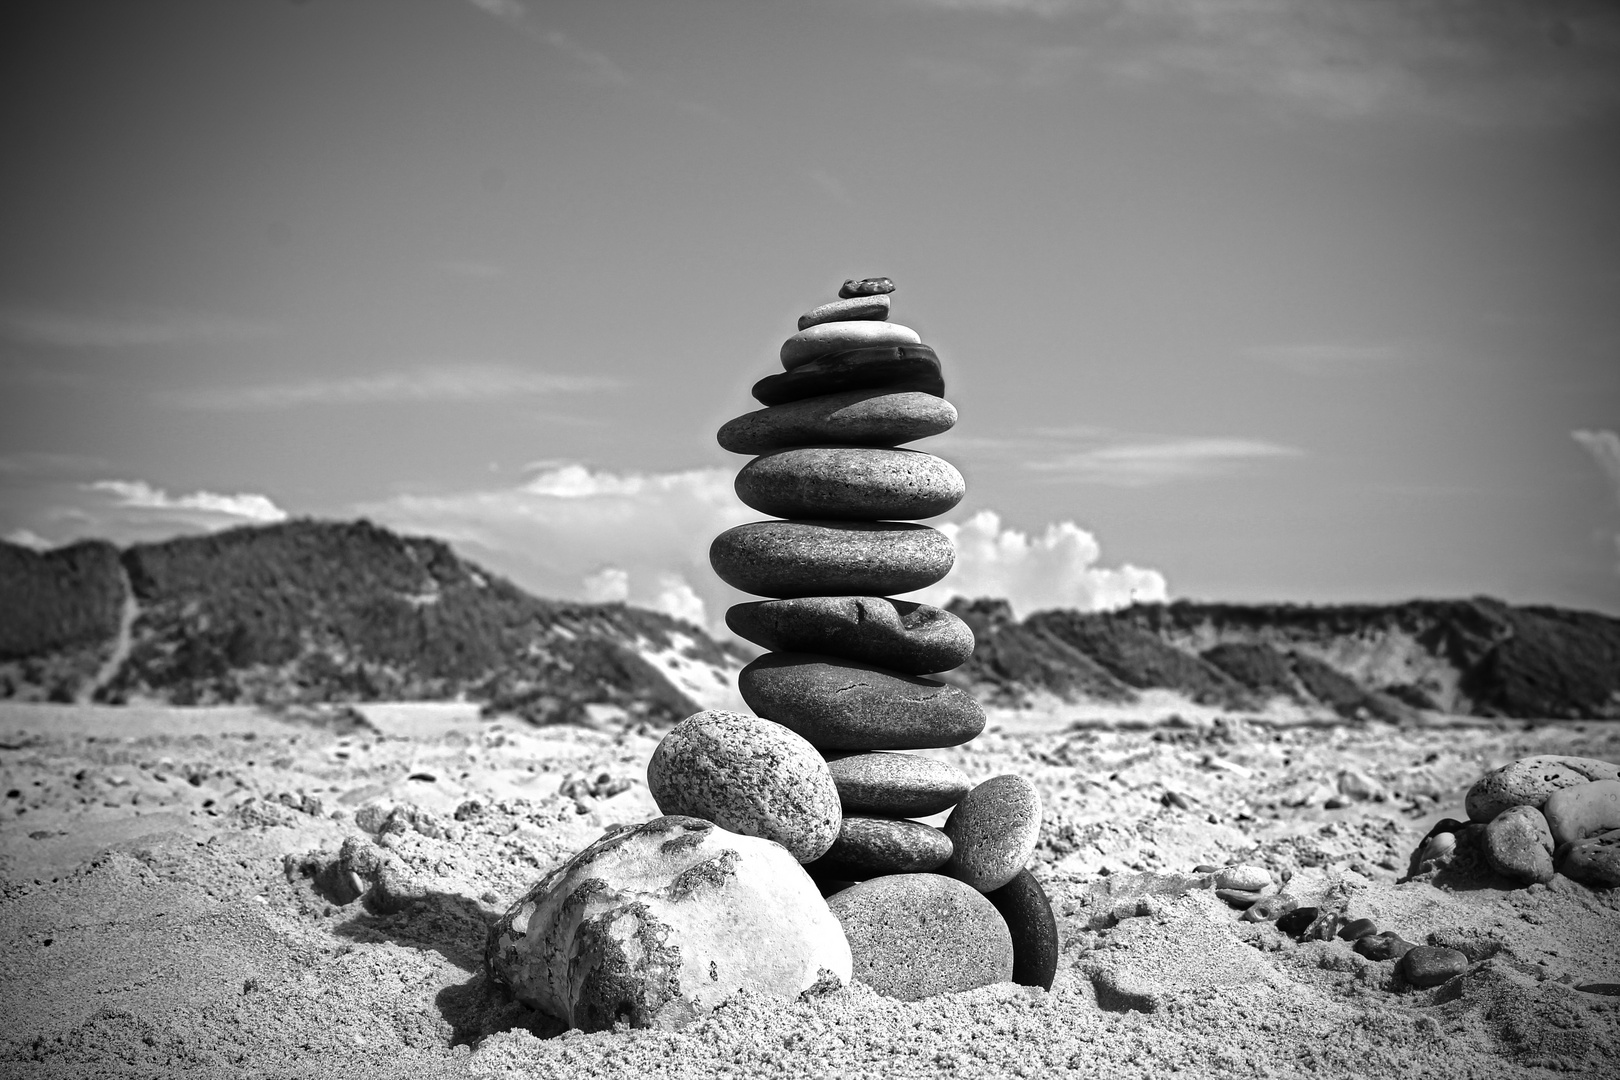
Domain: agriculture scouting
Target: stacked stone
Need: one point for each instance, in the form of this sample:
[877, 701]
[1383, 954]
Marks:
[842, 695]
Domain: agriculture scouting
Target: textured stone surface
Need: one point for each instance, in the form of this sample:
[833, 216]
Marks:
[1530, 781]
[824, 339]
[655, 924]
[915, 639]
[1028, 915]
[854, 307]
[1519, 845]
[750, 776]
[894, 368]
[1357, 929]
[1270, 908]
[860, 483]
[872, 846]
[1385, 946]
[841, 705]
[1583, 810]
[1243, 876]
[900, 785]
[853, 418]
[994, 828]
[912, 936]
[1594, 861]
[1426, 965]
[871, 286]
[821, 558]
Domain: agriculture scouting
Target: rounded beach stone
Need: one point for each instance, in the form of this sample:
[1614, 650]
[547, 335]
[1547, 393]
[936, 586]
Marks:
[916, 639]
[854, 307]
[1241, 898]
[820, 558]
[872, 846]
[1250, 878]
[1594, 861]
[750, 776]
[1358, 928]
[872, 286]
[912, 936]
[1028, 915]
[1530, 781]
[1519, 845]
[825, 339]
[1426, 965]
[899, 785]
[1385, 946]
[1270, 908]
[655, 924]
[1298, 921]
[875, 417]
[858, 483]
[894, 368]
[841, 705]
[994, 828]
[1583, 810]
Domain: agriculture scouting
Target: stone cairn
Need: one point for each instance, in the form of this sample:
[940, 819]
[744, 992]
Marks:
[841, 698]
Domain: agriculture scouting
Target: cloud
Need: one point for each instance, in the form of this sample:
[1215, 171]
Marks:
[1055, 569]
[462, 383]
[1141, 463]
[594, 66]
[27, 538]
[235, 509]
[134, 329]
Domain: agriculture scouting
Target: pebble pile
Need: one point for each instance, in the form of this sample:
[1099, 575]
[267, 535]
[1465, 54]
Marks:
[843, 696]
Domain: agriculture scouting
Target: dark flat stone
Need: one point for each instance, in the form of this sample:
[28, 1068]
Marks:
[873, 417]
[856, 483]
[1385, 946]
[1360, 928]
[896, 785]
[915, 639]
[839, 705]
[827, 558]
[890, 367]
[1299, 920]
[868, 847]
[1028, 914]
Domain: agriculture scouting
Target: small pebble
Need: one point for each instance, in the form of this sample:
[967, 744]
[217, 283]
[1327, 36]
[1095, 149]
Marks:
[1299, 920]
[1028, 914]
[854, 307]
[1241, 898]
[1270, 908]
[1207, 868]
[872, 286]
[1360, 928]
[1425, 965]
[994, 828]
[1251, 878]
[1385, 946]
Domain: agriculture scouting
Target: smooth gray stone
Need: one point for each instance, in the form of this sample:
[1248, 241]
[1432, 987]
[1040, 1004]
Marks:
[1028, 914]
[869, 847]
[916, 639]
[825, 558]
[856, 483]
[994, 828]
[854, 307]
[889, 367]
[1594, 861]
[898, 785]
[912, 936]
[1519, 845]
[871, 286]
[1574, 813]
[828, 338]
[1426, 965]
[852, 418]
[839, 705]
[750, 776]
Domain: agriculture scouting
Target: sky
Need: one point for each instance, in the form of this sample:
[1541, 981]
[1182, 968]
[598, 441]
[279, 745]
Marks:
[1241, 300]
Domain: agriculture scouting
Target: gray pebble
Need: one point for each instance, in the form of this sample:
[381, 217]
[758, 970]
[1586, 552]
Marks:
[901, 785]
[1252, 878]
[1385, 946]
[1519, 845]
[915, 639]
[894, 368]
[858, 483]
[994, 828]
[872, 286]
[1594, 861]
[1425, 965]
[912, 936]
[874, 417]
[840, 705]
[872, 846]
[854, 307]
[825, 339]
[814, 558]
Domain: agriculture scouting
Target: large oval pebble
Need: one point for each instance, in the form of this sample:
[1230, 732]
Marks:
[750, 776]
[1519, 845]
[1594, 861]
[825, 339]
[815, 558]
[1028, 915]
[872, 846]
[1530, 781]
[1428, 965]
[1583, 810]
[916, 639]
[839, 705]
[912, 936]
[891, 367]
[994, 829]
[850, 482]
[900, 785]
[855, 307]
[853, 418]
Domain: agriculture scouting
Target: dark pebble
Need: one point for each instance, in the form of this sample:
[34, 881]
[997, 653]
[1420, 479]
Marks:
[894, 368]
[896, 785]
[1028, 914]
[869, 847]
[1360, 928]
[850, 483]
[839, 705]
[871, 286]
[1425, 965]
[1299, 920]
[1385, 946]
[1270, 908]
[1241, 898]
[816, 558]
[915, 639]
[853, 418]
[1207, 868]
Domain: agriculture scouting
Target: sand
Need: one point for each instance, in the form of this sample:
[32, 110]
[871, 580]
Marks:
[157, 917]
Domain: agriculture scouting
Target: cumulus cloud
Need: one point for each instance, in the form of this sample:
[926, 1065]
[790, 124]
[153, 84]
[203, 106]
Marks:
[27, 538]
[231, 509]
[1056, 568]
[1156, 461]
[457, 383]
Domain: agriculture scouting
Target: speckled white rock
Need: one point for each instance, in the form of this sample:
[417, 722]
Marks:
[1583, 810]
[655, 924]
[1519, 845]
[748, 775]
[824, 339]
[852, 309]
[994, 829]
[1530, 781]
[1243, 876]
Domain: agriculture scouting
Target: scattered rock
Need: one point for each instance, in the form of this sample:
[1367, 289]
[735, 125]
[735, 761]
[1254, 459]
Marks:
[1270, 908]
[912, 936]
[1529, 781]
[842, 705]
[859, 483]
[1240, 898]
[901, 785]
[1582, 810]
[854, 307]
[994, 828]
[1250, 878]
[655, 924]
[872, 417]
[1358, 928]
[871, 846]
[1299, 920]
[1594, 861]
[1425, 965]
[913, 639]
[872, 286]
[847, 558]
[750, 776]
[1385, 946]
[1028, 914]
[1519, 845]
[824, 339]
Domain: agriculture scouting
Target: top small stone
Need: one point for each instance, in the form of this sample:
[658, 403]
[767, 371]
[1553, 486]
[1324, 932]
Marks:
[872, 286]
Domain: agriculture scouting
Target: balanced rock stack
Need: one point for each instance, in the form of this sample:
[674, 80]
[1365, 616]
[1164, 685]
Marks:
[823, 767]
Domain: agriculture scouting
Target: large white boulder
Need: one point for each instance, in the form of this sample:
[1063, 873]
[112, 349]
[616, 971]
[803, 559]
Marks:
[655, 924]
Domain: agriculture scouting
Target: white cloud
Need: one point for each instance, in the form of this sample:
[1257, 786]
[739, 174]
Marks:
[29, 539]
[1055, 569]
[235, 509]
[460, 383]
[1140, 463]
[132, 329]
[609, 585]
